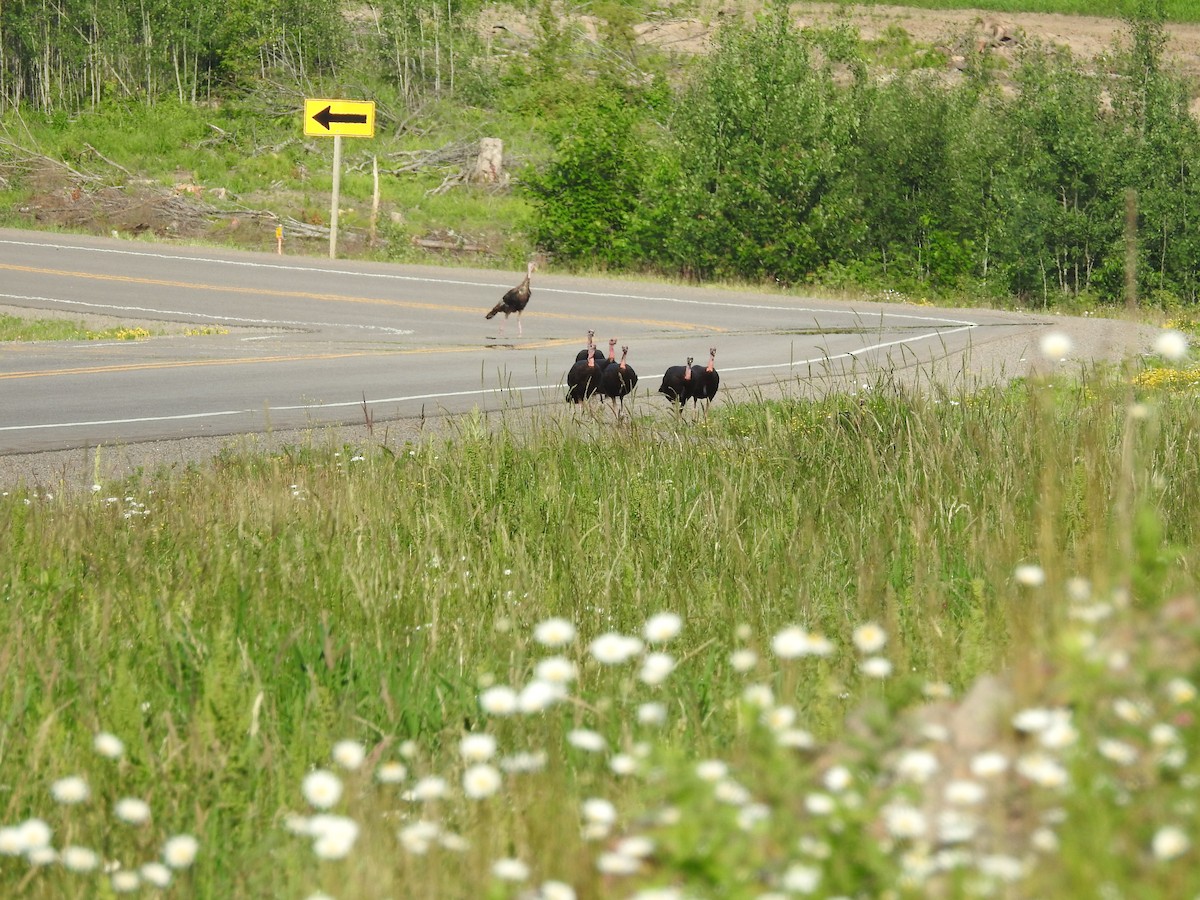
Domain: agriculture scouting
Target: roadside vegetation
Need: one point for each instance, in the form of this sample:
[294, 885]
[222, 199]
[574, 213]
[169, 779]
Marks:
[17, 328]
[859, 645]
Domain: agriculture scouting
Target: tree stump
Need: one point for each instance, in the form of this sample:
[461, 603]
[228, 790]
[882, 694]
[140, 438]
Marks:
[489, 164]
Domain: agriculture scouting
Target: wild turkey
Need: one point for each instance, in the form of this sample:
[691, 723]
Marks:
[583, 378]
[617, 380]
[514, 301]
[677, 383]
[601, 361]
[705, 381]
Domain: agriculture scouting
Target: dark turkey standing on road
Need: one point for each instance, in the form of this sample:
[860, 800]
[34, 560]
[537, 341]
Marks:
[705, 381]
[601, 361]
[677, 383]
[514, 301]
[617, 380]
[583, 378]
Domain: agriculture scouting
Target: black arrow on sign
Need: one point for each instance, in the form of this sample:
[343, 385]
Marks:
[325, 117]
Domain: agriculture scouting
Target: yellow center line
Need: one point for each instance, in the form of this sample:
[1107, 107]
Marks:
[247, 360]
[344, 298]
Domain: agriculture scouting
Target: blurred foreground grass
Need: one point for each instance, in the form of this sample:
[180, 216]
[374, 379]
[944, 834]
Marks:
[910, 645]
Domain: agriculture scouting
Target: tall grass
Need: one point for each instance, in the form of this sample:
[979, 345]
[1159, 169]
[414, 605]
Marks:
[232, 624]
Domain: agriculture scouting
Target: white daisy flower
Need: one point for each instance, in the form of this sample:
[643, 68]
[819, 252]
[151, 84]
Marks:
[554, 633]
[711, 770]
[539, 695]
[661, 628]
[599, 811]
[759, 695]
[869, 638]
[480, 781]
[819, 803]
[652, 714]
[556, 670]
[1004, 868]
[349, 754]
[500, 700]
[623, 764]
[70, 790]
[904, 821]
[732, 792]
[837, 779]
[477, 748]
[556, 890]
[1180, 691]
[656, 667]
[1119, 752]
[743, 660]
[132, 811]
[917, 765]
[431, 787]
[876, 667]
[525, 762]
[1044, 840]
[510, 870]
[1055, 345]
[125, 881]
[336, 838]
[79, 859]
[1034, 719]
[108, 745]
[391, 772]
[418, 837]
[617, 864]
[1172, 345]
[801, 879]
[795, 739]
[790, 643]
[1042, 770]
[321, 788]
[613, 649]
[586, 739]
[12, 842]
[988, 764]
[35, 834]
[179, 851]
[156, 874]
[962, 792]
[1029, 575]
[1169, 842]
[819, 645]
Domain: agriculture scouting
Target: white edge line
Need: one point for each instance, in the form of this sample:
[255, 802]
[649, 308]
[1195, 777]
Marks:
[199, 315]
[849, 354]
[427, 280]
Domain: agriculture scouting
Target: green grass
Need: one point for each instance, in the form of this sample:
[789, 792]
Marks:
[16, 328]
[232, 623]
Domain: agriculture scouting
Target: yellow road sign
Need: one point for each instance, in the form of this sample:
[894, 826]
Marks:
[339, 118]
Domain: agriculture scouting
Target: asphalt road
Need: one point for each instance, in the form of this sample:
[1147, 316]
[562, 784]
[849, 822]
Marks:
[316, 342]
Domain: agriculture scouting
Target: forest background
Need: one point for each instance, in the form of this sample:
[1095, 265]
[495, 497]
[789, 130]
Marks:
[997, 169]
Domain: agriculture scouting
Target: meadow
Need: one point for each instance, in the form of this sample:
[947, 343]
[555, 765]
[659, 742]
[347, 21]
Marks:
[896, 644]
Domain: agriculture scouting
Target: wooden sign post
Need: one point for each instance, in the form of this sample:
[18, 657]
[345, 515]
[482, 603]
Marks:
[338, 119]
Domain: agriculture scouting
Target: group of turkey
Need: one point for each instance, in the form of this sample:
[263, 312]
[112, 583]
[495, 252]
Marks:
[594, 373]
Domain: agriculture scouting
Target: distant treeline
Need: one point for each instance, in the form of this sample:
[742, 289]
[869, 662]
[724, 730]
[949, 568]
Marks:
[70, 53]
[782, 155]
[785, 159]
